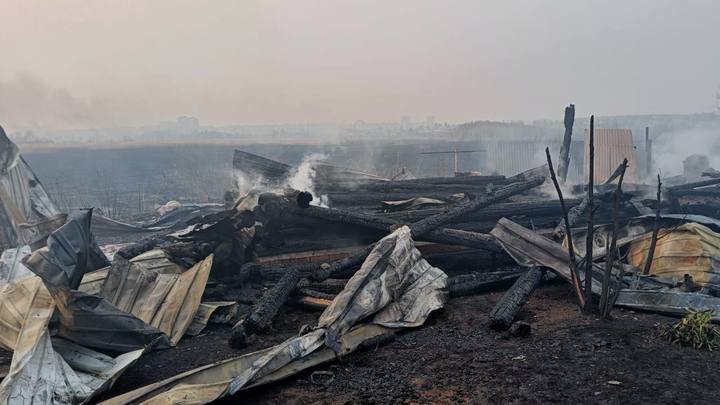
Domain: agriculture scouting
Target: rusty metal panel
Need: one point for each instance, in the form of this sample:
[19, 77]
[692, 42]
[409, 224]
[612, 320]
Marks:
[687, 249]
[612, 145]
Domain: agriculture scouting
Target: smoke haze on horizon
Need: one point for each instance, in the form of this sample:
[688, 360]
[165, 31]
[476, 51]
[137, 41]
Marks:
[71, 64]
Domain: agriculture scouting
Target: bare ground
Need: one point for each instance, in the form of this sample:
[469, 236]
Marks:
[454, 358]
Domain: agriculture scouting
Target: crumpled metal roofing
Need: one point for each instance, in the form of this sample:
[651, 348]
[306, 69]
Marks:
[687, 249]
[159, 292]
[395, 286]
[86, 319]
[27, 215]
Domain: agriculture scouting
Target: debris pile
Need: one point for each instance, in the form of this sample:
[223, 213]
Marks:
[372, 256]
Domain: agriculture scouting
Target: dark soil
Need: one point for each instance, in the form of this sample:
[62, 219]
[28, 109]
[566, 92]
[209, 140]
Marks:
[455, 358]
[570, 358]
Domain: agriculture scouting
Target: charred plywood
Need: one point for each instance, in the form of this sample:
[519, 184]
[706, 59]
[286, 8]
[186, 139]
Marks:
[611, 147]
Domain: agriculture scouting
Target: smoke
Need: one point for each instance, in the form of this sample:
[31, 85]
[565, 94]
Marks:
[670, 149]
[301, 178]
[27, 102]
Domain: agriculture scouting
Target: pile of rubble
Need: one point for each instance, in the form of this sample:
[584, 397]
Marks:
[76, 315]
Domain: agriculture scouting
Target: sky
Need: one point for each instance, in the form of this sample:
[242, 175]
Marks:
[100, 63]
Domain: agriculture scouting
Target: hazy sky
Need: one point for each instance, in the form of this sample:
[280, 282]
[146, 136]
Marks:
[104, 63]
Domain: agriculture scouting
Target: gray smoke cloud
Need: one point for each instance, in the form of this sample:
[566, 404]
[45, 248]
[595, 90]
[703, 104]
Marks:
[278, 62]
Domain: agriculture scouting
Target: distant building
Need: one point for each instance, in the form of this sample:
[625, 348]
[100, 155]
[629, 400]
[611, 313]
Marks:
[405, 122]
[430, 121]
[717, 100]
[187, 125]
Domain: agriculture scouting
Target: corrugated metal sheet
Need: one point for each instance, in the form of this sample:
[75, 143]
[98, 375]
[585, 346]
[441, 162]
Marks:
[509, 158]
[688, 249]
[611, 147]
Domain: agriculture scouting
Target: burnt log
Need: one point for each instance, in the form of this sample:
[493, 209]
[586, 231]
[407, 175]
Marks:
[391, 186]
[340, 268]
[362, 219]
[504, 312]
[374, 199]
[140, 247]
[493, 212]
[690, 186]
[423, 226]
[615, 174]
[463, 238]
[307, 292]
[469, 261]
[564, 163]
[378, 222]
[265, 310]
[477, 283]
[427, 183]
[574, 216]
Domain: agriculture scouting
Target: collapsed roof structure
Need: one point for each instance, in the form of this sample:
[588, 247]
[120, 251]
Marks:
[372, 255]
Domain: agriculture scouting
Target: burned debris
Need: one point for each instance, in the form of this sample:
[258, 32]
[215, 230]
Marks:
[367, 256]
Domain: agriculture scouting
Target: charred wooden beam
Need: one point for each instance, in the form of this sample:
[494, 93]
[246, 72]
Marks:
[358, 218]
[140, 247]
[497, 211]
[378, 222]
[605, 302]
[328, 286]
[308, 292]
[426, 182]
[567, 142]
[591, 212]
[265, 310]
[541, 170]
[504, 312]
[407, 186]
[463, 238]
[477, 283]
[656, 229]
[618, 171]
[566, 223]
[339, 268]
[374, 199]
[423, 226]
[690, 186]
[574, 216]
[470, 261]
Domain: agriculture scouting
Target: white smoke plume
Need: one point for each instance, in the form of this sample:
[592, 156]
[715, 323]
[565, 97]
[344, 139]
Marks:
[669, 150]
[301, 178]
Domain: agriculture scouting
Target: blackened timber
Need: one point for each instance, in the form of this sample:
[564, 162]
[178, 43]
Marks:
[567, 141]
[469, 261]
[690, 186]
[346, 217]
[497, 211]
[464, 238]
[591, 212]
[502, 316]
[477, 283]
[615, 174]
[574, 216]
[392, 186]
[265, 310]
[374, 199]
[339, 268]
[656, 229]
[424, 183]
[423, 226]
